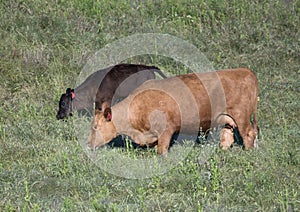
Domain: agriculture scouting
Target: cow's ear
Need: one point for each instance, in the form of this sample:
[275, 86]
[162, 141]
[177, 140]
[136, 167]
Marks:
[72, 94]
[97, 111]
[107, 114]
[68, 91]
[104, 106]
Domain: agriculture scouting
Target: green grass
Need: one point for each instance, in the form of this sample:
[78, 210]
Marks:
[45, 44]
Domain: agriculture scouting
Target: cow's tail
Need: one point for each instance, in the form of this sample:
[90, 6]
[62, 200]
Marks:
[256, 99]
[238, 139]
[157, 70]
[254, 123]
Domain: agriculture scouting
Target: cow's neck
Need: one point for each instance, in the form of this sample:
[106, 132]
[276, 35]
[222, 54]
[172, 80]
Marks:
[120, 118]
[85, 93]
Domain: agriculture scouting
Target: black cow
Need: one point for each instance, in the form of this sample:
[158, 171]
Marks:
[105, 86]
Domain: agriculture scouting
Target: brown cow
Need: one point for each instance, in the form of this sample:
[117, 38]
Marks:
[159, 108]
[102, 85]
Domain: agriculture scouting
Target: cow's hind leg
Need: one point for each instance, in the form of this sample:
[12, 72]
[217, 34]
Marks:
[256, 130]
[248, 134]
[226, 137]
[245, 129]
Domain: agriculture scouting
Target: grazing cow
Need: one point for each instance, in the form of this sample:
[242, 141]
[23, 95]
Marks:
[102, 85]
[159, 108]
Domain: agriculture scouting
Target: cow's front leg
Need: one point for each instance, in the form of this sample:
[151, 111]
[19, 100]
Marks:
[164, 142]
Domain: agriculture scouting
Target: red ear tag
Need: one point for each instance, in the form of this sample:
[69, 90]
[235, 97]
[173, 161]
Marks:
[73, 95]
[108, 118]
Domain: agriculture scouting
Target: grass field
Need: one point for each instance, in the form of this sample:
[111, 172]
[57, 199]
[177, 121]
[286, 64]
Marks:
[44, 45]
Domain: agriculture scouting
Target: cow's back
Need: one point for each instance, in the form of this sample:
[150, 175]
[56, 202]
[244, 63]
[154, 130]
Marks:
[121, 80]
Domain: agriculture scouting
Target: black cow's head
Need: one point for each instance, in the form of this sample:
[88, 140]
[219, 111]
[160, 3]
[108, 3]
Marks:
[65, 104]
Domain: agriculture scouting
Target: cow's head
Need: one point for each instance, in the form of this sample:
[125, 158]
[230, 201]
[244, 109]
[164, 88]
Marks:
[102, 129]
[65, 104]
